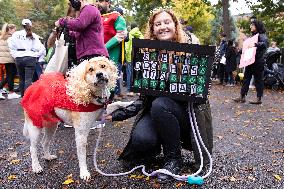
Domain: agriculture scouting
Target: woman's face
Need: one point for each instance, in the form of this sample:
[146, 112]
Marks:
[164, 27]
[12, 30]
[252, 28]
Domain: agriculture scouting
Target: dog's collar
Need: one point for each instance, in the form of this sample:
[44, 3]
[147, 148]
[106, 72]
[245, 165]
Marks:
[99, 99]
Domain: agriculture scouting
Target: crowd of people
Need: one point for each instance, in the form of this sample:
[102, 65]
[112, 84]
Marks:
[97, 30]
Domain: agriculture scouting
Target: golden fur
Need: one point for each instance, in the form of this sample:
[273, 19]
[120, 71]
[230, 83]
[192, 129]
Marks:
[80, 89]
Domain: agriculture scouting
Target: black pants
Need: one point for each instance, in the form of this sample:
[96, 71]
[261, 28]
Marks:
[163, 125]
[257, 72]
[26, 69]
[222, 73]
[231, 79]
[11, 72]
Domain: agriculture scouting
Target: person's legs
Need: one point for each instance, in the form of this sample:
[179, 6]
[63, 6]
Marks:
[4, 79]
[245, 87]
[221, 73]
[144, 139]
[230, 78]
[259, 85]
[247, 77]
[21, 71]
[38, 72]
[169, 116]
[11, 72]
[29, 66]
[129, 75]
[124, 74]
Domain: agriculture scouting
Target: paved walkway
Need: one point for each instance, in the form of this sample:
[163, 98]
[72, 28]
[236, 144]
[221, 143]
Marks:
[248, 149]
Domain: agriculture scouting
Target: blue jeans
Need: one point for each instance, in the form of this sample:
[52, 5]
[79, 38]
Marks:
[118, 88]
[129, 75]
[38, 71]
[26, 69]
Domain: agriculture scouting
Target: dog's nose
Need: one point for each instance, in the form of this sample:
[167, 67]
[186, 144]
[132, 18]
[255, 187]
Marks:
[99, 75]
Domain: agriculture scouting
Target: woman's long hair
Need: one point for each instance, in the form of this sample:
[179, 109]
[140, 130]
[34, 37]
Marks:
[180, 36]
[5, 31]
[259, 26]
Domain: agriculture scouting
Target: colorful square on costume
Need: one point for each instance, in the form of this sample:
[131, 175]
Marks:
[145, 83]
[191, 80]
[153, 84]
[201, 80]
[162, 85]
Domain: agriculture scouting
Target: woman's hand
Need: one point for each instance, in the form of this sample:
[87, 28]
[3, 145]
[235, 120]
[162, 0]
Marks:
[57, 23]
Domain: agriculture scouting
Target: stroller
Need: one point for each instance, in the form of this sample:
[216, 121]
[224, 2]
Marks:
[273, 72]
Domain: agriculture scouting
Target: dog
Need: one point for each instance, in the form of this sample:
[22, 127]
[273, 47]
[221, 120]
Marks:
[83, 92]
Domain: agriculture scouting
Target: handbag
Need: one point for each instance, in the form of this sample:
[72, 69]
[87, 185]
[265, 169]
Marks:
[223, 60]
[59, 60]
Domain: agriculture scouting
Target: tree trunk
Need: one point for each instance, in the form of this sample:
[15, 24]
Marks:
[226, 18]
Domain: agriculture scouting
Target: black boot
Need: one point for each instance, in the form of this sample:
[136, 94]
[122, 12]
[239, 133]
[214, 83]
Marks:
[172, 165]
[257, 101]
[240, 99]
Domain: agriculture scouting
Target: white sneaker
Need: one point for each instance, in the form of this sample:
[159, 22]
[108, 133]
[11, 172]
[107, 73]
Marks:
[13, 96]
[2, 97]
[4, 91]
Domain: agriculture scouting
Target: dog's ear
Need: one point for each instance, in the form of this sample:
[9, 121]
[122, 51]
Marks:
[80, 70]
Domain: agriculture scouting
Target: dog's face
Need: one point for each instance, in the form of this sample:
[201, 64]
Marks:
[91, 78]
[100, 72]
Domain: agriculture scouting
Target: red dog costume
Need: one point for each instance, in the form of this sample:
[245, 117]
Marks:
[49, 92]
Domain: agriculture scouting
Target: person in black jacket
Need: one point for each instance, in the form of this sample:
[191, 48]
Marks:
[222, 74]
[231, 63]
[257, 68]
[162, 121]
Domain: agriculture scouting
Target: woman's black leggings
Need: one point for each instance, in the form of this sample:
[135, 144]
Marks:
[250, 71]
[11, 71]
[166, 124]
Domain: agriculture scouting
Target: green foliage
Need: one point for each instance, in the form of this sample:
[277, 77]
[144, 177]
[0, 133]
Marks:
[217, 25]
[139, 10]
[7, 11]
[45, 13]
[244, 26]
[271, 12]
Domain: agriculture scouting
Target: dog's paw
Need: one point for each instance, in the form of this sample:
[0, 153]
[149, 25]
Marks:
[37, 168]
[85, 175]
[50, 157]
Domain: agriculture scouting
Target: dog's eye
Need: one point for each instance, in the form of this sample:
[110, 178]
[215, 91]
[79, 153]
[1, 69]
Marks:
[103, 66]
[91, 69]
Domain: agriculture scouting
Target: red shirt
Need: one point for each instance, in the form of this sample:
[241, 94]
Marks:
[108, 23]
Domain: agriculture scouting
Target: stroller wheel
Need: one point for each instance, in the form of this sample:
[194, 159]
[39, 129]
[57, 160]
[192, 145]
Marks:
[275, 87]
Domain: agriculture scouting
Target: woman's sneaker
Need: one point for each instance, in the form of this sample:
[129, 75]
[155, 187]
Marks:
[13, 96]
[2, 97]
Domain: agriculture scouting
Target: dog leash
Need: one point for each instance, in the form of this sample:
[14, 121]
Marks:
[192, 179]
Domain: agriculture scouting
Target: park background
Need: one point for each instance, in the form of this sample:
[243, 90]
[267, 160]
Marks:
[209, 18]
